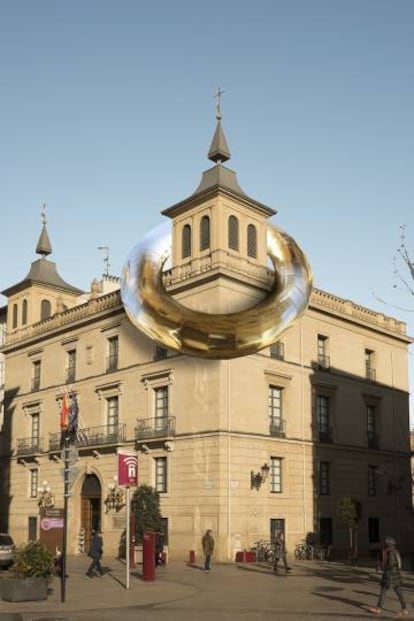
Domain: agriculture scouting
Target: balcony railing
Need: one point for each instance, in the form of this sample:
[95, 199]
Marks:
[370, 373]
[35, 384]
[323, 361]
[277, 428]
[148, 428]
[29, 446]
[92, 436]
[373, 441]
[112, 363]
[325, 435]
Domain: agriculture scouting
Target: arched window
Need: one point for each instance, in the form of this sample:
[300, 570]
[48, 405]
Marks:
[186, 241]
[45, 309]
[24, 313]
[14, 324]
[205, 233]
[251, 241]
[233, 233]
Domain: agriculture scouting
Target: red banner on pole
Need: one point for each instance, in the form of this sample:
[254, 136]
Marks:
[127, 469]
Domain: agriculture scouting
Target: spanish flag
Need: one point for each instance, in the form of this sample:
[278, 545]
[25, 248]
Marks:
[64, 412]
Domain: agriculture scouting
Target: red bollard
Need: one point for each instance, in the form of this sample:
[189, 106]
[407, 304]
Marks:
[148, 556]
[192, 557]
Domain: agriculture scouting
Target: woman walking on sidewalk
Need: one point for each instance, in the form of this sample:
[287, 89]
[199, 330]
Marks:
[391, 577]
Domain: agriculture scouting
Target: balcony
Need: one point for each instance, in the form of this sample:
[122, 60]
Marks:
[29, 446]
[148, 428]
[277, 428]
[323, 361]
[370, 373]
[92, 436]
[325, 435]
[373, 441]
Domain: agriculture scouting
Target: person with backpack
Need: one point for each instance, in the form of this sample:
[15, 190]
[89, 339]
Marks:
[391, 577]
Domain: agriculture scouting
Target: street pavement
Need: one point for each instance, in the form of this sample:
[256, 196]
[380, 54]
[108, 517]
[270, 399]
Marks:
[230, 591]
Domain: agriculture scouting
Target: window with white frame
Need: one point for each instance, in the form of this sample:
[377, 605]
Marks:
[161, 407]
[35, 429]
[324, 483]
[160, 464]
[34, 482]
[112, 414]
[275, 407]
[276, 475]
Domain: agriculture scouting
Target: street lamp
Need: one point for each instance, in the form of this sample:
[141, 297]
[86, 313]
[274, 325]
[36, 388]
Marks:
[46, 498]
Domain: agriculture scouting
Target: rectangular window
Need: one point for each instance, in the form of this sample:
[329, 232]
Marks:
[370, 364]
[161, 474]
[324, 487]
[277, 350]
[323, 418]
[112, 414]
[276, 475]
[34, 482]
[275, 409]
[372, 435]
[71, 366]
[35, 429]
[372, 481]
[323, 358]
[36, 366]
[161, 407]
[112, 354]
[374, 530]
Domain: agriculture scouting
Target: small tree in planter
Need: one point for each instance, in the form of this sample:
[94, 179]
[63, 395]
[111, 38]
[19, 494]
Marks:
[349, 514]
[145, 505]
[30, 574]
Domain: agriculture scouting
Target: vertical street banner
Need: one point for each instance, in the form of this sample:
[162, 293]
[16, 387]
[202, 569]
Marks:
[127, 468]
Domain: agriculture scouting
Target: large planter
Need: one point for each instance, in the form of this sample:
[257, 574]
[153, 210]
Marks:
[23, 589]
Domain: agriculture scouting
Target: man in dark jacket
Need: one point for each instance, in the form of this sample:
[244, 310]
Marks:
[95, 553]
[391, 577]
[208, 548]
[280, 552]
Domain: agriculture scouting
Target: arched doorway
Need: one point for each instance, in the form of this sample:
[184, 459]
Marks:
[90, 507]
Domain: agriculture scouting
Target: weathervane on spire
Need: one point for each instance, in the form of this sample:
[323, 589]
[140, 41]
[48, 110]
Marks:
[218, 95]
[43, 213]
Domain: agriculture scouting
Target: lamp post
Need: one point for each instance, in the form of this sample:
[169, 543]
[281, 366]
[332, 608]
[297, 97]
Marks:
[257, 478]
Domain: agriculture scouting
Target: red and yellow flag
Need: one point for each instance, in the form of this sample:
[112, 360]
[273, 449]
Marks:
[64, 412]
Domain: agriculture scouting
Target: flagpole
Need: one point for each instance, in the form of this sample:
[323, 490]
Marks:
[65, 515]
[128, 536]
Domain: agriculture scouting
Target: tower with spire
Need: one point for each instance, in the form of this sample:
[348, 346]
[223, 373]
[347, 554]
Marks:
[42, 293]
[219, 259]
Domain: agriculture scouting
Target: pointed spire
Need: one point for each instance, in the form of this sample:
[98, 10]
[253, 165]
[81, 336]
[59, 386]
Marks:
[44, 246]
[219, 151]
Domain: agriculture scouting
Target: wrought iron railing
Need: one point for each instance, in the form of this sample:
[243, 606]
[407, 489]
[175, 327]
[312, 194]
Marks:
[29, 446]
[161, 427]
[91, 436]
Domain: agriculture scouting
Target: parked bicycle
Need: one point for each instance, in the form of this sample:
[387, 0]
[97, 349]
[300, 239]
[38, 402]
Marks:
[304, 552]
[263, 551]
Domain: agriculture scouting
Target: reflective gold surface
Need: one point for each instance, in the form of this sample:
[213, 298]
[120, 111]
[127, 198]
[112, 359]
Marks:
[153, 311]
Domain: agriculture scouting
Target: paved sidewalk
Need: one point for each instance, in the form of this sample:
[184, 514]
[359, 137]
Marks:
[249, 592]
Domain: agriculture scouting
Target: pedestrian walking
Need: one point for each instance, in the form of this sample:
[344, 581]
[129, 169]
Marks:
[95, 553]
[280, 552]
[391, 577]
[208, 549]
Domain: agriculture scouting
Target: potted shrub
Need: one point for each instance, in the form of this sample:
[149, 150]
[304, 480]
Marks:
[30, 574]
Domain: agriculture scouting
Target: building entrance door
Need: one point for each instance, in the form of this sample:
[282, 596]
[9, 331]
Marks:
[90, 507]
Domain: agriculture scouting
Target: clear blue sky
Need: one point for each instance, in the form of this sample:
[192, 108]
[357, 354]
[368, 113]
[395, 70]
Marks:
[107, 112]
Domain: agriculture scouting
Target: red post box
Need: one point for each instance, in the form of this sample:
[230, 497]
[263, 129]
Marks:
[148, 556]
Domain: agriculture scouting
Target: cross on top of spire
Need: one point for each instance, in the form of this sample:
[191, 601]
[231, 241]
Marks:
[218, 95]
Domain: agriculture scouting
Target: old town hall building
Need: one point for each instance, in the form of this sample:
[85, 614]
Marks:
[243, 446]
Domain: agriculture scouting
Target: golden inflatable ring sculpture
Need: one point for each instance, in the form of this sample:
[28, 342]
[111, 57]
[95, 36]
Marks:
[215, 336]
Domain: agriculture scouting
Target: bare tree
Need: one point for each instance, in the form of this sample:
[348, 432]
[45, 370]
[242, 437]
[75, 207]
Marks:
[404, 257]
